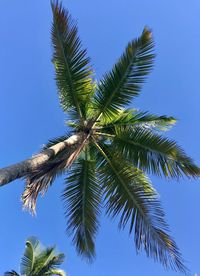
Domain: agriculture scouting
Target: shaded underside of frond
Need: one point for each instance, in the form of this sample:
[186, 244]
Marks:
[124, 81]
[129, 195]
[154, 154]
[82, 204]
[73, 72]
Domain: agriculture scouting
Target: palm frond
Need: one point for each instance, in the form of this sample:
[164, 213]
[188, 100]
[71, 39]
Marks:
[52, 265]
[152, 121]
[82, 202]
[124, 82]
[130, 118]
[11, 273]
[39, 261]
[29, 256]
[47, 261]
[59, 272]
[73, 73]
[122, 117]
[130, 196]
[154, 153]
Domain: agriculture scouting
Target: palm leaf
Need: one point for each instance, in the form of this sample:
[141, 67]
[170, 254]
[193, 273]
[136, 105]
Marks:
[154, 153]
[29, 257]
[73, 73]
[82, 199]
[59, 272]
[151, 121]
[124, 82]
[122, 117]
[11, 273]
[47, 261]
[129, 195]
[39, 262]
[130, 118]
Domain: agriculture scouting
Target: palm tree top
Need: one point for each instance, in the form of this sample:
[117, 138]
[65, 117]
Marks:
[39, 261]
[109, 147]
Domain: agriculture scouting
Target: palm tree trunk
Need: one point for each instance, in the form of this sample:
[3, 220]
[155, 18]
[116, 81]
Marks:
[20, 169]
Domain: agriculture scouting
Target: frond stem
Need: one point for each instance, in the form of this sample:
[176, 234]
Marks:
[104, 134]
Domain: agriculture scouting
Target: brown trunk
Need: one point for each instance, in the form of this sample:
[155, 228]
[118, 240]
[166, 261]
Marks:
[20, 169]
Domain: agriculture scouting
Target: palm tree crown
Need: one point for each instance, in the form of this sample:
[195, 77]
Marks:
[39, 261]
[109, 148]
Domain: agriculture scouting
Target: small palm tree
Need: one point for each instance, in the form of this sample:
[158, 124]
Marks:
[109, 147]
[39, 261]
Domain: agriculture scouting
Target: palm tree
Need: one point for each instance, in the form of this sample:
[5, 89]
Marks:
[108, 149]
[39, 261]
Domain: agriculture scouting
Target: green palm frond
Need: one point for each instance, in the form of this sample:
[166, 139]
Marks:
[11, 273]
[47, 261]
[42, 260]
[82, 200]
[130, 196]
[130, 118]
[122, 117]
[73, 73]
[59, 272]
[29, 257]
[151, 121]
[53, 264]
[123, 83]
[39, 261]
[154, 153]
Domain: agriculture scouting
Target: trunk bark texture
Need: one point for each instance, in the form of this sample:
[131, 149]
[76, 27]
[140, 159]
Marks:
[20, 169]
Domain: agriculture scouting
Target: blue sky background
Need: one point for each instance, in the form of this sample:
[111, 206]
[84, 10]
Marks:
[30, 115]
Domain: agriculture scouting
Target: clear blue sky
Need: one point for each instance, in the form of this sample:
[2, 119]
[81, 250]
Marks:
[30, 115]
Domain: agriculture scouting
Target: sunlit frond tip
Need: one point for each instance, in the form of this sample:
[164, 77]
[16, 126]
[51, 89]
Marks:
[124, 82]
